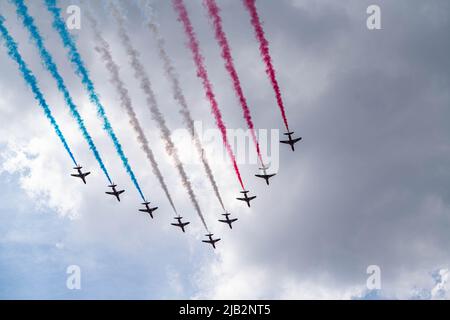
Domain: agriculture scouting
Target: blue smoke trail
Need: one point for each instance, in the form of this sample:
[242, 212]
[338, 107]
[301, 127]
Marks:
[28, 22]
[30, 79]
[80, 70]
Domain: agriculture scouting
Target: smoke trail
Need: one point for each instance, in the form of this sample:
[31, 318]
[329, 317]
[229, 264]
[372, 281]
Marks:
[203, 75]
[28, 22]
[178, 95]
[141, 75]
[264, 50]
[102, 46]
[214, 14]
[80, 69]
[31, 81]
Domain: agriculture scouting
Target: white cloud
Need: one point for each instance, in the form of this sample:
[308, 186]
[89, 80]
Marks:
[441, 289]
[367, 185]
[41, 177]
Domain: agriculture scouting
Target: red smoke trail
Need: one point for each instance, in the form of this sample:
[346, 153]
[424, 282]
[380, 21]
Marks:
[214, 13]
[264, 49]
[203, 75]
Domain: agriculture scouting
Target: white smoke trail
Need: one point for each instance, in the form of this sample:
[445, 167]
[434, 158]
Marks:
[103, 48]
[178, 95]
[141, 75]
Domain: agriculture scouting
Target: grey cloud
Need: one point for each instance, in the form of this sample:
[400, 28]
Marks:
[368, 184]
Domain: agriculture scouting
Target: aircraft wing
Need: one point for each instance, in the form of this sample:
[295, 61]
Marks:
[285, 141]
[242, 199]
[76, 175]
[296, 140]
[86, 174]
[111, 193]
[180, 224]
[265, 175]
[120, 192]
[251, 198]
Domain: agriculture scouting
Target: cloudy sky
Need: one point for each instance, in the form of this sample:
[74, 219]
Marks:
[368, 185]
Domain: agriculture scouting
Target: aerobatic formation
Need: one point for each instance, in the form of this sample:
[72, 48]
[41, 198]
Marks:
[156, 112]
